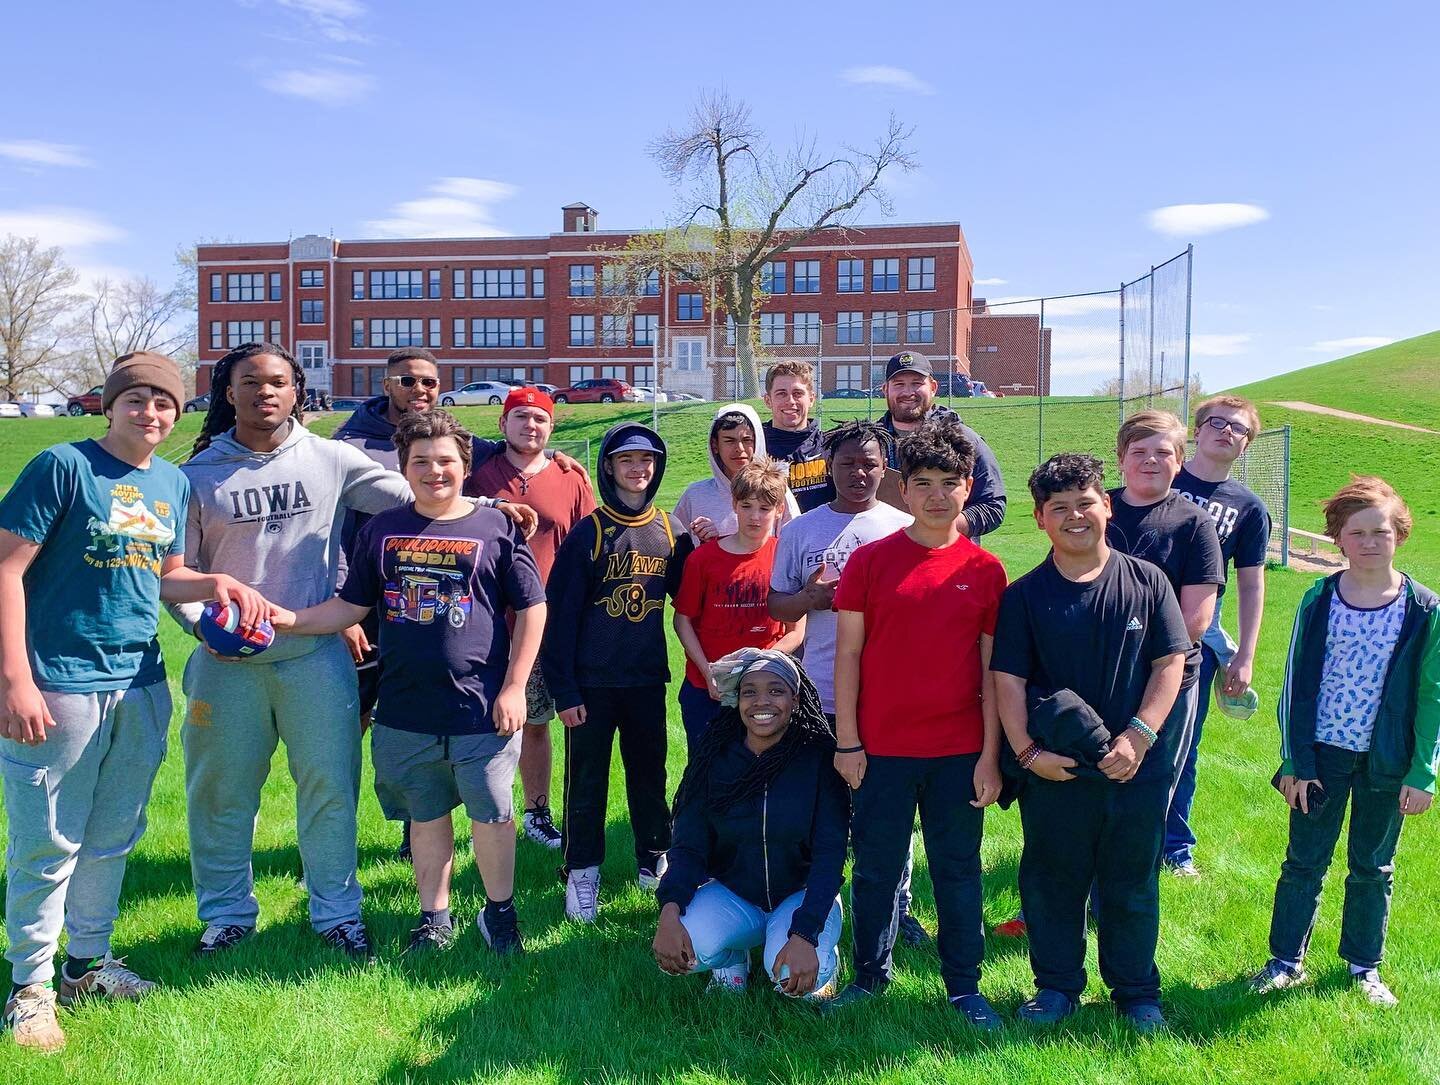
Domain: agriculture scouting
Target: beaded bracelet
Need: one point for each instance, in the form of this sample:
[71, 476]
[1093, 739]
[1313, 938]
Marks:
[1137, 724]
[1030, 754]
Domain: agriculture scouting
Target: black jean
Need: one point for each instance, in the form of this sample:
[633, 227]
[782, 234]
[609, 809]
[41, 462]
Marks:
[637, 714]
[1375, 821]
[1085, 832]
[884, 814]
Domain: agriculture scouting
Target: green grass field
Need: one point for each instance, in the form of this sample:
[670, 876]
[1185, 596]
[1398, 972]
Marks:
[587, 1003]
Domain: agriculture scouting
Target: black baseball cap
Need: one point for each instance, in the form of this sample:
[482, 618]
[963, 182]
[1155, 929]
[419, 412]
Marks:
[908, 361]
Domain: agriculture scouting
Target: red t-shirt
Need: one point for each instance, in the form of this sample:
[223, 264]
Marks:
[723, 594]
[920, 668]
[560, 499]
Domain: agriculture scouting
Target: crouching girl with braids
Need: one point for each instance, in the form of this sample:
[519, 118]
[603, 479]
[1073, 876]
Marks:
[761, 825]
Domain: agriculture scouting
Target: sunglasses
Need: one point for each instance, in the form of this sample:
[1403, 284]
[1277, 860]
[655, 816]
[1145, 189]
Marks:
[430, 383]
[1240, 429]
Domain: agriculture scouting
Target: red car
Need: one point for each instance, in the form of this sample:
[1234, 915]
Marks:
[85, 402]
[600, 390]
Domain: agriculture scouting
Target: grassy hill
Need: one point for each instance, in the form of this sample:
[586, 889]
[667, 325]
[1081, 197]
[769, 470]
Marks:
[1397, 382]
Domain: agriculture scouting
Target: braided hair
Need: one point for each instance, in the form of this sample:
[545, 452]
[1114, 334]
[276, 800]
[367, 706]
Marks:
[221, 414]
[861, 432]
[808, 726]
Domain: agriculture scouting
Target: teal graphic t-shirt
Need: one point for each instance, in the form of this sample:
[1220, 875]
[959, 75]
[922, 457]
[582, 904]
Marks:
[92, 594]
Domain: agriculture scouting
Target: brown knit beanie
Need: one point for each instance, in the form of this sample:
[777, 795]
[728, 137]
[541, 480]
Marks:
[143, 368]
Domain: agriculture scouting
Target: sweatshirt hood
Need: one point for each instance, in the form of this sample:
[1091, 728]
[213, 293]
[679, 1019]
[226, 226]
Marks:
[614, 437]
[716, 471]
[224, 448]
[368, 420]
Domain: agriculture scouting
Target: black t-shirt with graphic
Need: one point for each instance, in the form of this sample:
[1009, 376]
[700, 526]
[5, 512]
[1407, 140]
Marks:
[1097, 639]
[441, 589]
[1241, 519]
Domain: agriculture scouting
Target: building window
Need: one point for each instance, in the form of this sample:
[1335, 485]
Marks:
[849, 376]
[612, 330]
[537, 332]
[582, 280]
[537, 282]
[885, 327]
[504, 282]
[312, 311]
[216, 290]
[275, 286]
[244, 287]
[691, 306]
[432, 281]
[807, 277]
[849, 329]
[217, 335]
[580, 373]
[312, 278]
[773, 275]
[807, 328]
[644, 374]
[239, 332]
[920, 273]
[772, 329]
[852, 277]
[457, 283]
[491, 332]
[274, 332]
[650, 287]
[457, 332]
[434, 331]
[920, 326]
[357, 332]
[612, 372]
[396, 285]
[357, 285]
[612, 281]
[377, 380]
[729, 331]
[885, 274]
[397, 333]
[645, 327]
[690, 355]
[582, 330]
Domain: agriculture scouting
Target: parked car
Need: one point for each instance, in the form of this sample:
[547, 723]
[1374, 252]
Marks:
[85, 402]
[39, 410]
[599, 390]
[684, 397]
[548, 389]
[346, 403]
[492, 392]
[847, 393]
[647, 394]
[10, 409]
[199, 403]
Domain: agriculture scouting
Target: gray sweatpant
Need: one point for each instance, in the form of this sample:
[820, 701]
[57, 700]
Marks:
[236, 715]
[76, 808]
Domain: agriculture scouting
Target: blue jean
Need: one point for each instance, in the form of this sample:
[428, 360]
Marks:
[724, 928]
[1179, 833]
[697, 709]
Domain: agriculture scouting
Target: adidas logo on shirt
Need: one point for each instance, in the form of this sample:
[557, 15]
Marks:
[1133, 626]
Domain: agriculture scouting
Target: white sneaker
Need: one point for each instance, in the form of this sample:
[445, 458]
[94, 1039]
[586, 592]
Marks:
[582, 894]
[732, 978]
[649, 880]
[30, 1017]
[540, 827]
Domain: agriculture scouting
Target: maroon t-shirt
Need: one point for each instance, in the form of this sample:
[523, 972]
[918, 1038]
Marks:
[560, 499]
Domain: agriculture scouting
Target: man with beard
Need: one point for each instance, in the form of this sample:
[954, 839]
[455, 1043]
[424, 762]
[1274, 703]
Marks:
[910, 399]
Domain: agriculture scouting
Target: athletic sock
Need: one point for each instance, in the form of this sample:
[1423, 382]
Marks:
[438, 918]
[75, 968]
[1358, 970]
[500, 907]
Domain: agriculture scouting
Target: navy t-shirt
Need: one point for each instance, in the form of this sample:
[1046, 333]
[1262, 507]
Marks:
[441, 589]
[1097, 639]
[1241, 519]
[1176, 535]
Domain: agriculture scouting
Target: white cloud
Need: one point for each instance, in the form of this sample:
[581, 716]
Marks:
[990, 282]
[1354, 342]
[324, 85]
[331, 19]
[454, 207]
[882, 75]
[38, 152]
[68, 227]
[1214, 345]
[1194, 219]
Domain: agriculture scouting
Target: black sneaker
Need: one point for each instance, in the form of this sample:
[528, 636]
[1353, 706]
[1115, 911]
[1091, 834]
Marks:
[912, 933]
[350, 938]
[431, 938]
[501, 930]
[219, 937]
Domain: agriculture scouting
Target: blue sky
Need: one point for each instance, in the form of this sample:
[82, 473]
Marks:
[1054, 134]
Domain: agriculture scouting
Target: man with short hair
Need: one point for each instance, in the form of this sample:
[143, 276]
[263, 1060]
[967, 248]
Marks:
[910, 400]
[793, 436]
[561, 499]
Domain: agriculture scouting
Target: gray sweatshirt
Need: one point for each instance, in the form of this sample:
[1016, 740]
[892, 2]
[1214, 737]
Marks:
[272, 520]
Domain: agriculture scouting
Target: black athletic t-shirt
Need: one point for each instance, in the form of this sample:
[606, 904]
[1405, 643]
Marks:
[1176, 535]
[1097, 639]
[1241, 519]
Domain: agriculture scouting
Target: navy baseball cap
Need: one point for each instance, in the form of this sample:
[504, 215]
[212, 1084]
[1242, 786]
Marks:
[637, 441]
[908, 361]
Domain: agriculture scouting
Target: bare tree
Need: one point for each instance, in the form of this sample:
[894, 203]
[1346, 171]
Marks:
[37, 305]
[128, 315]
[743, 204]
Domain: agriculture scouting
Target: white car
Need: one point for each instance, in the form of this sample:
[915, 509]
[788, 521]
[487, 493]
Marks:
[477, 392]
[39, 410]
[11, 410]
[646, 394]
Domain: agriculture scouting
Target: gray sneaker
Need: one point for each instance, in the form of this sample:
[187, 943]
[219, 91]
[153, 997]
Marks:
[1276, 976]
[1373, 988]
[111, 980]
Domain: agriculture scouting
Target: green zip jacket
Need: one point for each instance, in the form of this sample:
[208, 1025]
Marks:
[1405, 746]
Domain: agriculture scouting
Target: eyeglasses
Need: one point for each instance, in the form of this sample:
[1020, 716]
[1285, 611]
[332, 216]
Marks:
[407, 381]
[1240, 429]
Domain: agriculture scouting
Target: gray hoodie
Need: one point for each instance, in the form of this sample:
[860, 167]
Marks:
[272, 519]
[711, 496]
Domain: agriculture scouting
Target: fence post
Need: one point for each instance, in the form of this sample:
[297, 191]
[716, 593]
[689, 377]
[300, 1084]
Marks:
[1285, 502]
[655, 384]
[1120, 394]
[1189, 286]
[1040, 389]
[1150, 352]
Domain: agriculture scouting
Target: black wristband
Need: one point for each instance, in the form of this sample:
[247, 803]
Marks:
[849, 749]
